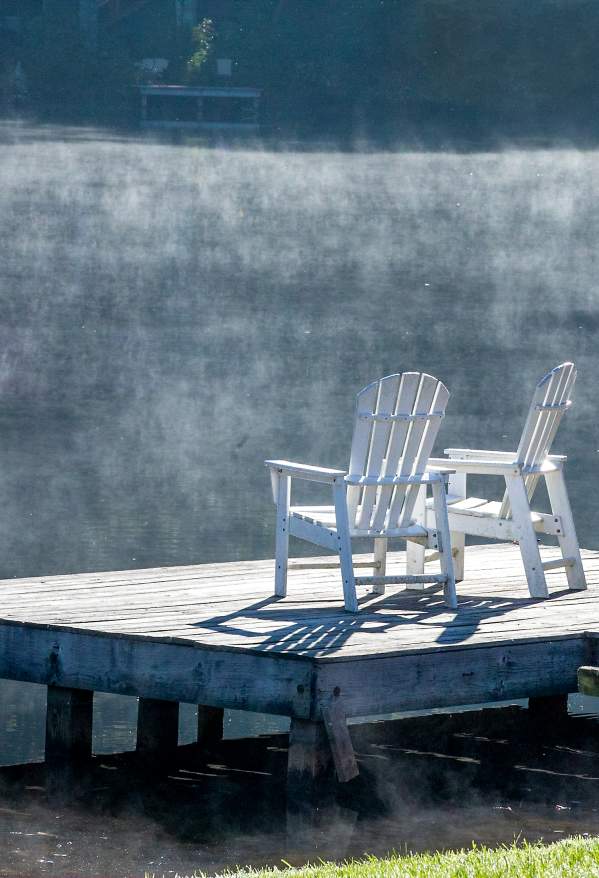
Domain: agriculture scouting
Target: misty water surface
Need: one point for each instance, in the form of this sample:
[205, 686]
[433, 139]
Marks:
[172, 314]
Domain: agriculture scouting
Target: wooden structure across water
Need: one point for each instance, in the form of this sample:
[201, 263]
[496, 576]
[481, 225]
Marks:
[214, 635]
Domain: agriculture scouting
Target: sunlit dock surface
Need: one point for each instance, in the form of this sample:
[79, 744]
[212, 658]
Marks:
[215, 635]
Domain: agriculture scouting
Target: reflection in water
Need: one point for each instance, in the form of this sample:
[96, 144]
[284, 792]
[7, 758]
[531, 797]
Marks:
[425, 783]
[115, 718]
[172, 314]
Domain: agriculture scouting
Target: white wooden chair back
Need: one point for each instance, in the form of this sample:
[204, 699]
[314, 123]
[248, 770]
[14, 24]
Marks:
[397, 421]
[550, 402]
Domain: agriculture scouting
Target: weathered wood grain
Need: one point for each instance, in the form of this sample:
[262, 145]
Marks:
[214, 635]
[154, 669]
[420, 681]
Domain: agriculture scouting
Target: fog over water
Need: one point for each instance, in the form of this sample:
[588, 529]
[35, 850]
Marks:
[172, 314]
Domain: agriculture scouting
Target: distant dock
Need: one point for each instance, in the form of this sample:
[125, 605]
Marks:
[207, 108]
[214, 635]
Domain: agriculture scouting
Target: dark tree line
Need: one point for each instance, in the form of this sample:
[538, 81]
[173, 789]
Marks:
[376, 65]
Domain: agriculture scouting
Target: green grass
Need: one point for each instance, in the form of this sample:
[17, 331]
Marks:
[574, 858]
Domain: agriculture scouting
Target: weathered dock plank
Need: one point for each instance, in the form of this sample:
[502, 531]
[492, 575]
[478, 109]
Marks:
[154, 669]
[466, 676]
[215, 635]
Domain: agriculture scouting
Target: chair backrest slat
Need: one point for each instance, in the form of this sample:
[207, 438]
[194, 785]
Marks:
[379, 442]
[422, 403]
[397, 421]
[550, 402]
[408, 391]
[361, 444]
[429, 434]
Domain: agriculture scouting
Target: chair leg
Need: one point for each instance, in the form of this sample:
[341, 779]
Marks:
[415, 551]
[442, 524]
[568, 541]
[282, 535]
[458, 546]
[380, 557]
[457, 487]
[345, 555]
[527, 538]
[414, 557]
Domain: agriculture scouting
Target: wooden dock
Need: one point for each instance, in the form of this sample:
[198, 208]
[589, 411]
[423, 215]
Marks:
[214, 635]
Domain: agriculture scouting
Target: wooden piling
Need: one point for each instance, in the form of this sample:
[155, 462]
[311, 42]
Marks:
[549, 708]
[335, 724]
[69, 724]
[309, 760]
[210, 725]
[157, 726]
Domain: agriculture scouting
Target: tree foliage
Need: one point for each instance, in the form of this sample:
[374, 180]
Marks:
[202, 38]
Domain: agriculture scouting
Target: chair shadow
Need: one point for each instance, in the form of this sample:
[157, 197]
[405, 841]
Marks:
[321, 630]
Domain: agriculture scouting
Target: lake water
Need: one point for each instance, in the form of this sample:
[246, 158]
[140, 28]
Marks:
[172, 314]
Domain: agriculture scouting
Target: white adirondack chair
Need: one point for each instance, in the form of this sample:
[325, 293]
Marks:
[512, 517]
[396, 422]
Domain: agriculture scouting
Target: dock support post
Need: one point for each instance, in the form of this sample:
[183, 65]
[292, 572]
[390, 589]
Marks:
[335, 724]
[549, 708]
[309, 760]
[157, 726]
[547, 715]
[69, 724]
[210, 725]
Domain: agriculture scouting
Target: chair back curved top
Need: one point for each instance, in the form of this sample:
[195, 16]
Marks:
[550, 402]
[397, 420]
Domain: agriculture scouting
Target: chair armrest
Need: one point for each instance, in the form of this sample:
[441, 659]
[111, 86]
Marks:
[480, 454]
[442, 470]
[304, 471]
[477, 455]
[477, 467]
